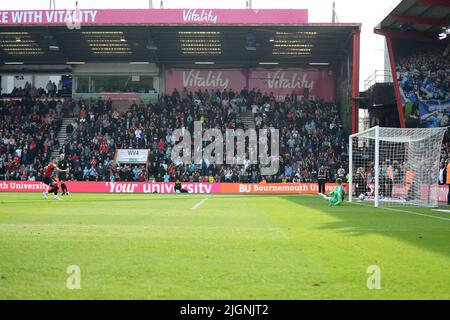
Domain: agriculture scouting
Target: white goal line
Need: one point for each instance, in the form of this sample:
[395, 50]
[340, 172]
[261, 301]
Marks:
[405, 211]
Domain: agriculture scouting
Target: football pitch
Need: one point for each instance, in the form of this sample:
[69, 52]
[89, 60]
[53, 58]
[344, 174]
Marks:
[183, 246]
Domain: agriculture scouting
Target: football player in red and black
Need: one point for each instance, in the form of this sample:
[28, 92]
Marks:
[49, 180]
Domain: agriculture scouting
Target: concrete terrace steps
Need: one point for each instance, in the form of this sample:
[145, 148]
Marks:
[248, 120]
[62, 135]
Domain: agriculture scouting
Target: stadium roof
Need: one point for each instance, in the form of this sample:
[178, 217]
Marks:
[419, 19]
[229, 37]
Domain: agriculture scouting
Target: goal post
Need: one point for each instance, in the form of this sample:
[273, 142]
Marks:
[395, 166]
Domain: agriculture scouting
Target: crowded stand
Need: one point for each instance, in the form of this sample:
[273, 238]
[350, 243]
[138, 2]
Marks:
[424, 80]
[28, 129]
[51, 90]
[427, 74]
[311, 136]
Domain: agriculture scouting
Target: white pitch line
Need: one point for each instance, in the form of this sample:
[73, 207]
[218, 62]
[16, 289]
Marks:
[199, 204]
[442, 210]
[419, 214]
[410, 212]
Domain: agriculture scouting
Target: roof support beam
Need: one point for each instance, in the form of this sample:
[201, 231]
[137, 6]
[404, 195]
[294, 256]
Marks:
[414, 35]
[421, 20]
[355, 79]
[401, 114]
[442, 3]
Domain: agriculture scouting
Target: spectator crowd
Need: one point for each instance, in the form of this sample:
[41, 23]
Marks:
[311, 136]
[425, 77]
[28, 129]
[51, 90]
[425, 74]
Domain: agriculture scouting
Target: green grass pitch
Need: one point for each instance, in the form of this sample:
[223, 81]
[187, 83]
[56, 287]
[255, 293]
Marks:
[153, 246]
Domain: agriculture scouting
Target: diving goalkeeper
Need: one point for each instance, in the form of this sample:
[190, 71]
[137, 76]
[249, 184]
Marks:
[336, 197]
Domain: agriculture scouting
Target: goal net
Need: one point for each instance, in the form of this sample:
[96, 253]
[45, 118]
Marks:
[395, 166]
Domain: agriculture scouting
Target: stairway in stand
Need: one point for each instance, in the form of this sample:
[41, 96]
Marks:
[248, 120]
[62, 135]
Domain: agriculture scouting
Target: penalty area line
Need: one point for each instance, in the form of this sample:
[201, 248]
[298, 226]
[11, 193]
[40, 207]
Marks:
[199, 204]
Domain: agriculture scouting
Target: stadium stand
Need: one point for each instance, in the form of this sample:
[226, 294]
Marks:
[51, 90]
[311, 136]
[424, 83]
[430, 69]
[27, 136]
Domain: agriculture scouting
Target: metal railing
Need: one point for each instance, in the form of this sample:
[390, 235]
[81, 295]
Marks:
[379, 76]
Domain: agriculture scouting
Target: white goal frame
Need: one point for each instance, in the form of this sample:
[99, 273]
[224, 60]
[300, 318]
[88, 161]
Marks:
[400, 144]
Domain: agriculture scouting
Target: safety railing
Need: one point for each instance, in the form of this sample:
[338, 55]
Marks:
[379, 76]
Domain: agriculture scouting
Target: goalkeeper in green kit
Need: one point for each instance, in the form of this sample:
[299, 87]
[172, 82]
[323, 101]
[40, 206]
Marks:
[336, 197]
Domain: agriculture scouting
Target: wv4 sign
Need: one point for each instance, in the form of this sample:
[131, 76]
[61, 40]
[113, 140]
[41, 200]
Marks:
[132, 156]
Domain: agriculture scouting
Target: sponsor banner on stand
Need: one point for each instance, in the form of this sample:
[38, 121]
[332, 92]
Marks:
[304, 82]
[167, 187]
[401, 191]
[141, 187]
[439, 108]
[282, 82]
[443, 193]
[431, 112]
[22, 186]
[274, 188]
[153, 17]
[110, 187]
[205, 79]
